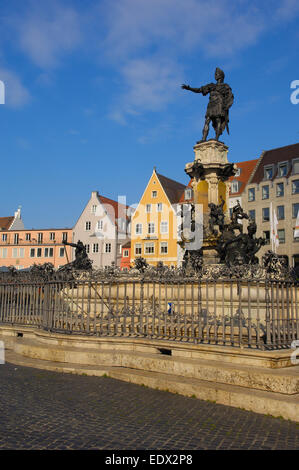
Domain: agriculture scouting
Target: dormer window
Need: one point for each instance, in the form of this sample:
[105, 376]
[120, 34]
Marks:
[282, 169]
[296, 166]
[268, 172]
[238, 172]
[234, 188]
[188, 193]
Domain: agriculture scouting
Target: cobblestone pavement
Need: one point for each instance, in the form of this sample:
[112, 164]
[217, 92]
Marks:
[50, 410]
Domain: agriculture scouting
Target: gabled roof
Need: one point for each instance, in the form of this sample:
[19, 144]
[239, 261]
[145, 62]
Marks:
[274, 156]
[173, 189]
[5, 222]
[119, 210]
[247, 169]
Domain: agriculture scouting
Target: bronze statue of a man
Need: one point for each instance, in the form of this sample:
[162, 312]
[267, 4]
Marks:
[221, 99]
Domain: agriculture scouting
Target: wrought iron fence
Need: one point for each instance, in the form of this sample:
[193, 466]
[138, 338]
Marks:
[249, 313]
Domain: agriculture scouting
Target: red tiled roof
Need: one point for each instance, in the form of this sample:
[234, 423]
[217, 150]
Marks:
[274, 156]
[114, 209]
[246, 171]
[5, 222]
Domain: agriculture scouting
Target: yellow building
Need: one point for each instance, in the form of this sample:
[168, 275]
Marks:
[154, 223]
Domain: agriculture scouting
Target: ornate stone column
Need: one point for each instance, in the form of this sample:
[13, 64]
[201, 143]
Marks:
[210, 172]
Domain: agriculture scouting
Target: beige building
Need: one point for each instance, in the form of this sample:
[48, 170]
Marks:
[275, 180]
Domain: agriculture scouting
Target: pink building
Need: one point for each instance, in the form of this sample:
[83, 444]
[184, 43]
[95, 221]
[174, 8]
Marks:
[24, 248]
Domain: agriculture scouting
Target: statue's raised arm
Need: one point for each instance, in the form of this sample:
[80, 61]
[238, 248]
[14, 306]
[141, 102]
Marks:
[195, 90]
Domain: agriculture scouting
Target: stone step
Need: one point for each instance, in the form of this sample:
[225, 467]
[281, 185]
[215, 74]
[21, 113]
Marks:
[258, 401]
[282, 380]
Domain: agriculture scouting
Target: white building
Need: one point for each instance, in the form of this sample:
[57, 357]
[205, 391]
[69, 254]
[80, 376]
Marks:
[103, 227]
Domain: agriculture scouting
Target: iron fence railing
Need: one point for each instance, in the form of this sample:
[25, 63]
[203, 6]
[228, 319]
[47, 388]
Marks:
[250, 313]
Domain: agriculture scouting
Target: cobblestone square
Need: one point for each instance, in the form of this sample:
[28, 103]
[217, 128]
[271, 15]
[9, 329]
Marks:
[49, 410]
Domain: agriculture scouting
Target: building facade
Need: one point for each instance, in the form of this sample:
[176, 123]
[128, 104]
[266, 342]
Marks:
[154, 232]
[24, 248]
[103, 227]
[126, 256]
[275, 180]
[239, 181]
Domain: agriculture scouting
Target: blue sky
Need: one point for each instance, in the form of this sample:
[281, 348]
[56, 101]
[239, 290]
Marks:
[93, 97]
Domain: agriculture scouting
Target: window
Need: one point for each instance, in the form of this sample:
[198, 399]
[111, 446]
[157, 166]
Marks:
[138, 229]
[64, 236]
[164, 248]
[279, 190]
[267, 236]
[295, 209]
[93, 208]
[266, 214]
[126, 253]
[4, 252]
[234, 188]
[188, 193]
[46, 252]
[14, 252]
[251, 194]
[295, 167]
[282, 170]
[61, 252]
[295, 186]
[265, 192]
[138, 249]
[52, 236]
[268, 173]
[4, 237]
[107, 247]
[281, 235]
[50, 252]
[87, 248]
[149, 248]
[28, 237]
[238, 172]
[119, 249]
[148, 208]
[21, 252]
[39, 252]
[32, 253]
[280, 212]
[154, 193]
[159, 207]
[164, 226]
[251, 214]
[100, 225]
[40, 238]
[16, 238]
[151, 227]
[87, 225]
[95, 248]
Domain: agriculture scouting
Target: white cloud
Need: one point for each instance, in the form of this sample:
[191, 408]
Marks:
[148, 41]
[151, 83]
[16, 95]
[46, 34]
